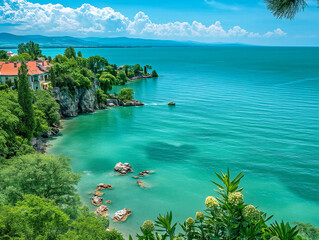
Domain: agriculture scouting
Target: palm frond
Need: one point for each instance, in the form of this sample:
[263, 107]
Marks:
[286, 8]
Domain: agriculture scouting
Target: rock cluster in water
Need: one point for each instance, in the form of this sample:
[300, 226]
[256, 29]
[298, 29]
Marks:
[121, 215]
[96, 200]
[102, 211]
[123, 168]
[146, 172]
[118, 102]
[102, 186]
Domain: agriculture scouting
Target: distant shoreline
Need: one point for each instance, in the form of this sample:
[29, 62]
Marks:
[179, 46]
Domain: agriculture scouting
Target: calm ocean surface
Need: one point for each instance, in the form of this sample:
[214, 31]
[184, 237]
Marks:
[252, 109]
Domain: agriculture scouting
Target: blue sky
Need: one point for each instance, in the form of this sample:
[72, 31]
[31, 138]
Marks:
[236, 21]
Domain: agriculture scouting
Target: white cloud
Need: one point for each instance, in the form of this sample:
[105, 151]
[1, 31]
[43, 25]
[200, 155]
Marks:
[277, 32]
[51, 18]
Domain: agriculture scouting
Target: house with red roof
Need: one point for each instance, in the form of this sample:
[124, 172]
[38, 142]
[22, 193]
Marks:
[38, 72]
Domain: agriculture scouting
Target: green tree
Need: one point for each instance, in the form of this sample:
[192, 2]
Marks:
[96, 63]
[121, 77]
[33, 49]
[147, 67]
[79, 54]
[32, 218]
[137, 69]
[11, 144]
[90, 226]
[126, 68]
[106, 81]
[126, 94]
[25, 101]
[70, 52]
[3, 55]
[46, 176]
[100, 96]
[154, 73]
[47, 104]
[21, 57]
[9, 82]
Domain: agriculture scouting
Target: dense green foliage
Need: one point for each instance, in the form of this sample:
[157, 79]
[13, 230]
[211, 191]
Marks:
[33, 49]
[68, 73]
[307, 231]
[32, 218]
[45, 176]
[126, 94]
[3, 55]
[40, 202]
[137, 69]
[100, 96]
[12, 141]
[106, 81]
[25, 100]
[70, 52]
[48, 106]
[121, 77]
[226, 217]
[79, 54]
[21, 57]
[154, 73]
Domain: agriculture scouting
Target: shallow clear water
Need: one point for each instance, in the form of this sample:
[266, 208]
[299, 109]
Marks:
[251, 109]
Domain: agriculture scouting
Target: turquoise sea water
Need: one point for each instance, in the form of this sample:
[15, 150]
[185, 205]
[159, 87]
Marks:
[252, 109]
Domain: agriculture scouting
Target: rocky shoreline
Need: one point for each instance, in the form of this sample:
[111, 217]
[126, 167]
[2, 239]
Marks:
[139, 77]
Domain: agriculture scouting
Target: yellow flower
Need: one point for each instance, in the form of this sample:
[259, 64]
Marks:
[148, 226]
[211, 202]
[250, 212]
[190, 222]
[200, 216]
[236, 198]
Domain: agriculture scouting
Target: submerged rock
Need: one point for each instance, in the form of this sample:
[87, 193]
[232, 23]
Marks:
[146, 172]
[102, 186]
[141, 183]
[96, 200]
[121, 215]
[99, 194]
[123, 168]
[102, 211]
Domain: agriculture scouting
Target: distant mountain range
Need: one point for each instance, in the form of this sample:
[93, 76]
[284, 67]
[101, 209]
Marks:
[8, 40]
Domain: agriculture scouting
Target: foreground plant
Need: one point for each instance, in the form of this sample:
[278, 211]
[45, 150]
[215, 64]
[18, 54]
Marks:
[226, 217]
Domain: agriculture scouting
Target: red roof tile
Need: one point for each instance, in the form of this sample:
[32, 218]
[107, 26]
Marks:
[34, 67]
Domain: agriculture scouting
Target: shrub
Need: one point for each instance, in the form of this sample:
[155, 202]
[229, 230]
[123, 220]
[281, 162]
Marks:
[154, 73]
[126, 94]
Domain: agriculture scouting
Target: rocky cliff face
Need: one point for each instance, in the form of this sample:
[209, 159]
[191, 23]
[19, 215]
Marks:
[82, 101]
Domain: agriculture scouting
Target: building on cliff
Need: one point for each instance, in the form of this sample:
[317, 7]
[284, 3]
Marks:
[37, 70]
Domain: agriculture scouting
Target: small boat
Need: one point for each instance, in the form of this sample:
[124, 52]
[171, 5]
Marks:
[171, 103]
